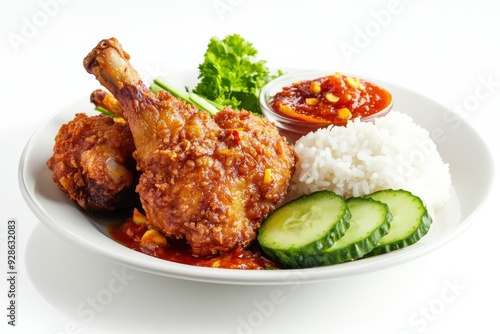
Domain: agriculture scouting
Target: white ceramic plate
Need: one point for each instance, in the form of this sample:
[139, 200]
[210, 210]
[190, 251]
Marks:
[470, 162]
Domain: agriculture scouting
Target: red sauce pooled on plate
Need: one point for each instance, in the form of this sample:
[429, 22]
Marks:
[131, 233]
[331, 99]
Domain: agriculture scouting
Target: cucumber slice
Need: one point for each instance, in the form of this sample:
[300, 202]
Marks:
[410, 219]
[369, 223]
[304, 226]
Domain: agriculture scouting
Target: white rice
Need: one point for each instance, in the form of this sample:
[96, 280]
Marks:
[356, 160]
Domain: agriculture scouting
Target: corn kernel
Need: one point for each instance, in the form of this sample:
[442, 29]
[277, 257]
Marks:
[315, 87]
[351, 82]
[311, 101]
[354, 83]
[268, 177]
[153, 238]
[360, 85]
[138, 217]
[331, 98]
[344, 113]
[283, 108]
[119, 120]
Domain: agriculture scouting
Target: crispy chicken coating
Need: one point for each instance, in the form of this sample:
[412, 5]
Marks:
[92, 163]
[210, 181]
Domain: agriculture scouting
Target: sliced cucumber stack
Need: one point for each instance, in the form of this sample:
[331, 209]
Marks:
[370, 222]
[410, 219]
[304, 226]
[322, 228]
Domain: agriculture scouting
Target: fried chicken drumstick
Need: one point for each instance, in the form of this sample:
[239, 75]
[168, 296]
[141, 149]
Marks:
[92, 163]
[210, 181]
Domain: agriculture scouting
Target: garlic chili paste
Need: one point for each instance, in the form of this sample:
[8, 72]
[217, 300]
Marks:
[331, 99]
[137, 236]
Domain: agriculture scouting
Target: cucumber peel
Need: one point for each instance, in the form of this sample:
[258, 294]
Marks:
[304, 226]
[370, 222]
[322, 228]
[411, 220]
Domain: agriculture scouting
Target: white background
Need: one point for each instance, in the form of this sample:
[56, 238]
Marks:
[441, 49]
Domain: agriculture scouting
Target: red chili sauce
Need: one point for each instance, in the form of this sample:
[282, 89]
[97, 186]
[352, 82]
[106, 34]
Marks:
[331, 99]
[130, 234]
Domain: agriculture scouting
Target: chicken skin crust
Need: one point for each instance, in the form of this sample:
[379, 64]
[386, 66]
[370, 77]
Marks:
[92, 163]
[208, 185]
[208, 180]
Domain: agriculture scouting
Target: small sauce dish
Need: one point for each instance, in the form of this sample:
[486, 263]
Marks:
[304, 101]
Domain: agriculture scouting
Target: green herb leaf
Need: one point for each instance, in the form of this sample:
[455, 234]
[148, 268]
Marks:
[231, 74]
